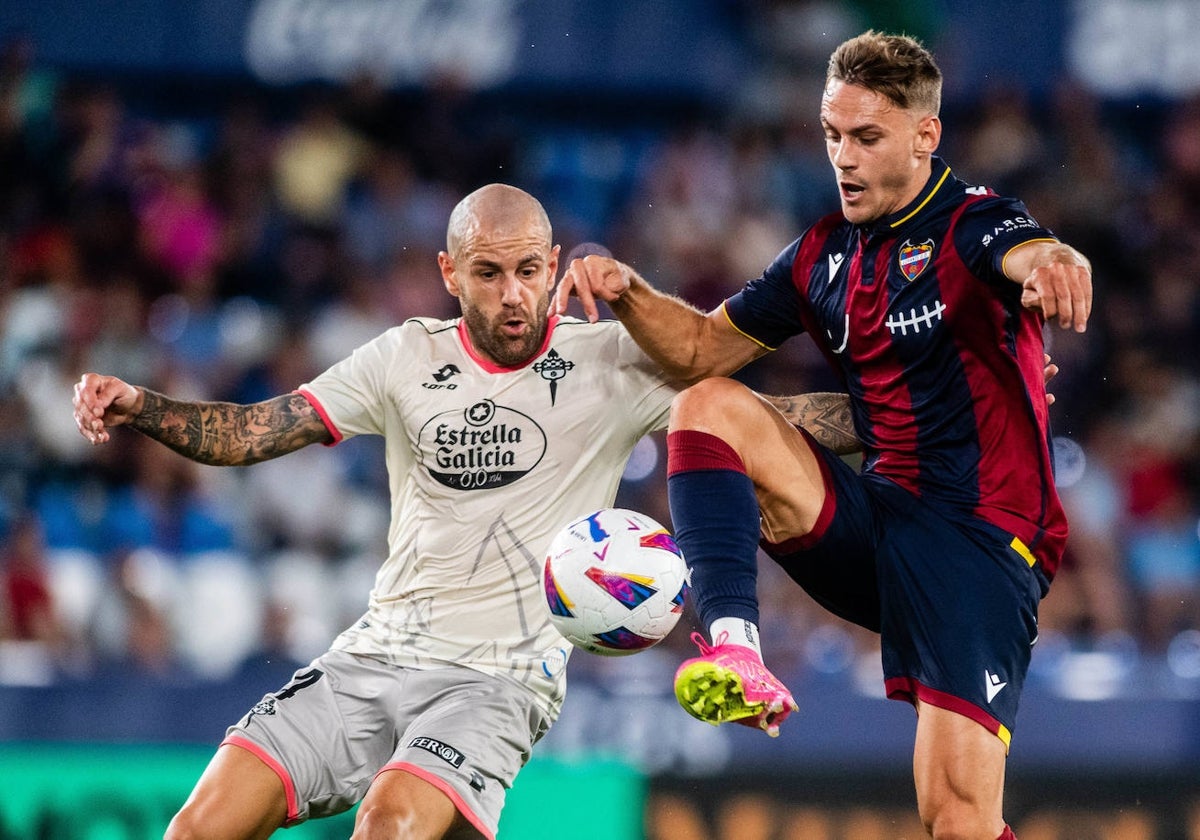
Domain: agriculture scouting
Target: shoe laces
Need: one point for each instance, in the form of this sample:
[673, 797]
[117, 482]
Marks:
[705, 648]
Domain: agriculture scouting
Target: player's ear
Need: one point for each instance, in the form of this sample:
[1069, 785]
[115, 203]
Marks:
[449, 278]
[552, 267]
[929, 134]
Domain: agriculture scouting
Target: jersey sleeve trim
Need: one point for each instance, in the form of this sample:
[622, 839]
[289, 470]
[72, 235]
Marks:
[323, 414]
[740, 331]
[1004, 259]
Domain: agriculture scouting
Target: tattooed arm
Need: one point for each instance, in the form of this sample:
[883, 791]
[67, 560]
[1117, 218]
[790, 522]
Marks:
[824, 416]
[219, 433]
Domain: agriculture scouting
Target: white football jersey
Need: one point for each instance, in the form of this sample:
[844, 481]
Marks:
[485, 465]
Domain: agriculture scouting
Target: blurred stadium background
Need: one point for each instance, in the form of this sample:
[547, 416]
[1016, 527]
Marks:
[219, 198]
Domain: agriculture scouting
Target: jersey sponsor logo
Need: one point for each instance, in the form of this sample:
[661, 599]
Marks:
[1007, 226]
[915, 258]
[441, 749]
[446, 372]
[901, 324]
[993, 684]
[553, 368]
[441, 375]
[481, 446]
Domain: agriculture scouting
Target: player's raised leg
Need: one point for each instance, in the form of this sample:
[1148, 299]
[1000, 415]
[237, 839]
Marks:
[733, 458]
[238, 797]
[958, 767]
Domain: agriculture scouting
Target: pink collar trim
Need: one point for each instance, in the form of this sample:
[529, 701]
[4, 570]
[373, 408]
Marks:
[490, 366]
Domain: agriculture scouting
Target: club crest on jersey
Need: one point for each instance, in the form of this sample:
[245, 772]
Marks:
[553, 368]
[915, 258]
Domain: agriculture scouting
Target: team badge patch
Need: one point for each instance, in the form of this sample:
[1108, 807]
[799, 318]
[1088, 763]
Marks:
[915, 258]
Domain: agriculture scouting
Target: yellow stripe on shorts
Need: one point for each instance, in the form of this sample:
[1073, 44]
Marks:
[1005, 736]
[1020, 547]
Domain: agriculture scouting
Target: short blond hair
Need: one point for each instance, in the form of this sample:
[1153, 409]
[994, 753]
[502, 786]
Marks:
[895, 66]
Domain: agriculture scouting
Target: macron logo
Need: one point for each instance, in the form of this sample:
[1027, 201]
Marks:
[993, 685]
[835, 263]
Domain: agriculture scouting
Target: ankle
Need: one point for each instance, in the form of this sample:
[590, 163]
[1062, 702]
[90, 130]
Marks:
[736, 631]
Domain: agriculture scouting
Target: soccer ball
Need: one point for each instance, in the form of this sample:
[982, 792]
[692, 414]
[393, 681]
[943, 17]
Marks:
[615, 582]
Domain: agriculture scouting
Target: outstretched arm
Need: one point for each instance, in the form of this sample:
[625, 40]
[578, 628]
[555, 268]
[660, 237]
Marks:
[687, 343]
[218, 433]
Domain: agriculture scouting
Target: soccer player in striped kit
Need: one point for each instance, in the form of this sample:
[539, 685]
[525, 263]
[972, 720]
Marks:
[928, 296]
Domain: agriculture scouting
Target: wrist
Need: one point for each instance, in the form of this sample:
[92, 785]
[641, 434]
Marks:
[137, 406]
[626, 297]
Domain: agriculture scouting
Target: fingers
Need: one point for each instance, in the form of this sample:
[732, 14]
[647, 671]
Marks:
[575, 280]
[562, 294]
[1061, 292]
[594, 277]
[100, 402]
[89, 405]
[1049, 369]
[1084, 291]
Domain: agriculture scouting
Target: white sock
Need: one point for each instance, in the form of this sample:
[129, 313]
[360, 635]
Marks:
[741, 632]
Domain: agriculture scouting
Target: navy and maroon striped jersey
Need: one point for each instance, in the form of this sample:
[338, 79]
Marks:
[942, 363]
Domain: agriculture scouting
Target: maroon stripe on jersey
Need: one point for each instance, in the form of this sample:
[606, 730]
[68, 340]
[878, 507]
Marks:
[688, 449]
[1011, 415]
[881, 375]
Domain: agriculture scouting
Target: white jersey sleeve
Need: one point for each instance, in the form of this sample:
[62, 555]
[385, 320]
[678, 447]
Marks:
[485, 464]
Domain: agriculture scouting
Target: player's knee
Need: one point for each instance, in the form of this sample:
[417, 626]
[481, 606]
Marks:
[376, 822]
[711, 403]
[186, 826]
[955, 820]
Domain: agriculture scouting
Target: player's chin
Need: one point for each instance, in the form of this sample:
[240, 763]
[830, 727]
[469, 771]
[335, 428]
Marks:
[515, 351]
[856, 213]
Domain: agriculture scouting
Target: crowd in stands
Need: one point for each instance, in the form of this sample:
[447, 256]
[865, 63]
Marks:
[231, 252]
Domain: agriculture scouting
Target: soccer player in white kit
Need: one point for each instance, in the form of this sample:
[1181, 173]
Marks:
[500, 427]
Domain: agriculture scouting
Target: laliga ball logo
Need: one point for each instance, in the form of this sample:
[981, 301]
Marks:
[615, 582]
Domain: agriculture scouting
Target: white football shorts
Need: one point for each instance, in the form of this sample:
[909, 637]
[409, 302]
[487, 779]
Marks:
[344, 718]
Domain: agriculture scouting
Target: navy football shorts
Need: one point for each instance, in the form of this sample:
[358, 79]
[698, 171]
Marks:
[953, 598]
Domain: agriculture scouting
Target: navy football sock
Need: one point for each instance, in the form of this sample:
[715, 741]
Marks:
[716, 519]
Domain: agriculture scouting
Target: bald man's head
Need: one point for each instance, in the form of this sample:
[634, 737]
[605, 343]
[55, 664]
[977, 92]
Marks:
[500, 262]
[497, 210]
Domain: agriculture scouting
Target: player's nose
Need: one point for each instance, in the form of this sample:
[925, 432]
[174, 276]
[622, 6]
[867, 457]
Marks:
[510, 290]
